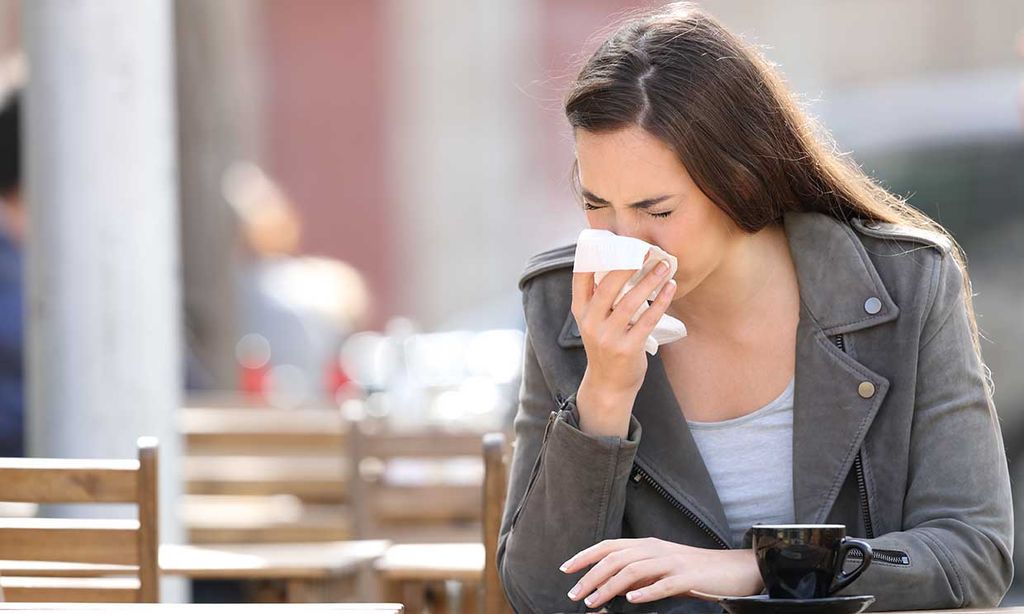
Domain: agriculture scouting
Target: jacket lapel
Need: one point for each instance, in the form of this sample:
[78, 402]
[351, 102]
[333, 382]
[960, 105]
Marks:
[835, 397]
[668, 453]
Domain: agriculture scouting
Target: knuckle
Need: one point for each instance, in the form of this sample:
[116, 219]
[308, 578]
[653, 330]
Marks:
[654, 591]
[631, 572]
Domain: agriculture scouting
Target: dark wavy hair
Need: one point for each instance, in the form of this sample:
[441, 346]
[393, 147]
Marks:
[721, 106]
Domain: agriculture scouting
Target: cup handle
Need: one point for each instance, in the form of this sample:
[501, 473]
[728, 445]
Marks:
[843, 579]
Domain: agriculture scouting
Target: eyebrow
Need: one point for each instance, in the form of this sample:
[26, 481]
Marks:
[647, 203]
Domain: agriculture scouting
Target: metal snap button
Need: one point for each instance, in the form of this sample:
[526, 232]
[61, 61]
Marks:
[873, 305]
[866, 390]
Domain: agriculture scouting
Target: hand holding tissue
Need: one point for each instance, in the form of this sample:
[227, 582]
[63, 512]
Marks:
[601, 251]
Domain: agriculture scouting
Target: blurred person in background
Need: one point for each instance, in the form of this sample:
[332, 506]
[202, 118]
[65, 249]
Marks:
[831, 374]
[296, 311]
[13, 227]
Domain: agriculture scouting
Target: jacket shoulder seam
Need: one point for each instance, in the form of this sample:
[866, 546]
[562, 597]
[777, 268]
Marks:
[933, 296]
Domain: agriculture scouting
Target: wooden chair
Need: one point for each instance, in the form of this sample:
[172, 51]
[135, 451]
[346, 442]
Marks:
[414, 573]
[417, 486]
[259, 474]
[497, 463]
[128, 547]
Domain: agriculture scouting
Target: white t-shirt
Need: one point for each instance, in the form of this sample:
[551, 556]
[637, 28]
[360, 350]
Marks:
[750, 460]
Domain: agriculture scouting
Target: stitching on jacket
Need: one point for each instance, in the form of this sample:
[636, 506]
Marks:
[852, 322]
[933, 293]
[692, 503]
[868, 268]
[949, 313]
[869, 476]
[910, 235]
[939, 548]
[602, 519]
[846, 361]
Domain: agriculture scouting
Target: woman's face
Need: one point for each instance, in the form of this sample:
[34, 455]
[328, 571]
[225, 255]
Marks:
[635, 186]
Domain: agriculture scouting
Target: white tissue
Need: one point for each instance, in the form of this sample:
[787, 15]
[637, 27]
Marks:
[601, 251]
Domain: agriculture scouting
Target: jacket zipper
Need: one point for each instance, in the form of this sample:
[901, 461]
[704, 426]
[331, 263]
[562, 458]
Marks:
[858, 467]
[639, 475]
[862, 488]
[892, 557]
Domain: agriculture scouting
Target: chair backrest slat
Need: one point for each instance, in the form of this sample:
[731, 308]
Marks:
[72, 541]
[439, 444]
[70, 590]
[415, 486]
[28, 480]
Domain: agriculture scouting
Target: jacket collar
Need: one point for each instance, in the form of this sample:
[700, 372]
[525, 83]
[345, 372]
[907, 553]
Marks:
[837, 278]
[832, 408]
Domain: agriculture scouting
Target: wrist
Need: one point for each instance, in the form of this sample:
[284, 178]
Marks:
[604, 412]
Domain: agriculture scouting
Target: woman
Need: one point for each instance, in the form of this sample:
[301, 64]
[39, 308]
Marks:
[831, 372]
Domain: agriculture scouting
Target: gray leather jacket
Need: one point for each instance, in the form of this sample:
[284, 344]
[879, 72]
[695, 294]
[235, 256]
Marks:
[894, 434]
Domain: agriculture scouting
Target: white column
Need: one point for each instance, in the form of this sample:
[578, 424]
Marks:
[103, 312]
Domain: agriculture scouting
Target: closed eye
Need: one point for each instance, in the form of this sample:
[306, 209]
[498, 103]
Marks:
[662, 214]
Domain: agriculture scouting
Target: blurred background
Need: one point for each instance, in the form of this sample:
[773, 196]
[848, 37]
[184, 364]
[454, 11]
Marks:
[298, 203]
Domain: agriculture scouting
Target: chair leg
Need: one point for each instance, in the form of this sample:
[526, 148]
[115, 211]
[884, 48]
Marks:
[469, 598]
[409, 594]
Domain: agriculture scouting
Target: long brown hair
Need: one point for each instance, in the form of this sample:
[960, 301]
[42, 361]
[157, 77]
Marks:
[722, 107]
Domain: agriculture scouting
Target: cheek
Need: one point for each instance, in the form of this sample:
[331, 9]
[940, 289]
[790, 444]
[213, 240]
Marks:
[698, 247]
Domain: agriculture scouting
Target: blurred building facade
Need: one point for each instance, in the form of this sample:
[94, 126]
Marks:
[424, 143]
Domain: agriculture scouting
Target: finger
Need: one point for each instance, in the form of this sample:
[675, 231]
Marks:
[649, 319]
[582, 290]
[633, 573]
[665, 587]
[607, 291]
[624, 311]
[595, 553]
[605, 569]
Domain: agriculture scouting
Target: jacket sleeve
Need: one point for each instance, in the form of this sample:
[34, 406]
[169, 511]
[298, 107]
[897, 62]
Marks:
[957, 514]
[567, 491]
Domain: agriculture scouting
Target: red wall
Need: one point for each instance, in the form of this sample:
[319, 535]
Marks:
[326, 130]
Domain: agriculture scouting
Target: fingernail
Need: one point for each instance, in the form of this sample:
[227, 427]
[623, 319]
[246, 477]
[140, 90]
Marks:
[590, 601]
[662, 268]
[565, 565]
[633, 595]
[574, 593]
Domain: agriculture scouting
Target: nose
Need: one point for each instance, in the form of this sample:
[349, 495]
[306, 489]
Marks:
[626, 228]
[626, 224]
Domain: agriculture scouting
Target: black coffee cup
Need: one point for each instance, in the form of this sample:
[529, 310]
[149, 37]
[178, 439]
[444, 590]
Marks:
[805, 561]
